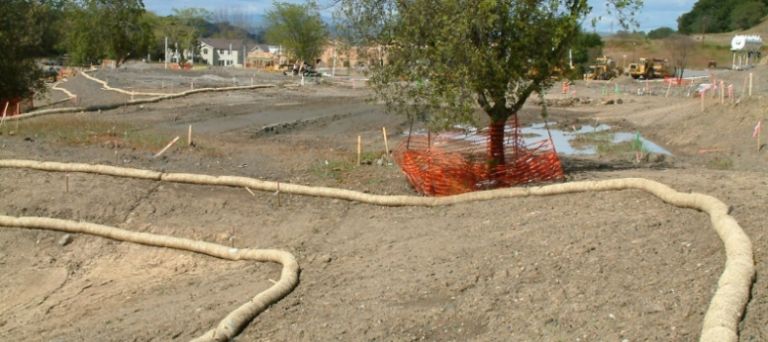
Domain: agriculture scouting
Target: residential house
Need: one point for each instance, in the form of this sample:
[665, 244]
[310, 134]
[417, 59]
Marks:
[354, 56]
[223, 52]
[264, 56]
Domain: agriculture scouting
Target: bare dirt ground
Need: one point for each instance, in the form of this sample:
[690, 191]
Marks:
[583, 267]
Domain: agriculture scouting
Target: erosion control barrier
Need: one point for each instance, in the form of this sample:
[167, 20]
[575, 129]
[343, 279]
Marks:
[122, 91]
[133, 102]
[234, 322]
[720, 322]
[457, 161]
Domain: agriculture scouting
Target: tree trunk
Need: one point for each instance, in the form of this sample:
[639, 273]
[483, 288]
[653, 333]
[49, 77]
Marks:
[495, 157]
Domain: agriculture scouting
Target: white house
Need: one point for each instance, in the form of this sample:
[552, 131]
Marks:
[223, 52]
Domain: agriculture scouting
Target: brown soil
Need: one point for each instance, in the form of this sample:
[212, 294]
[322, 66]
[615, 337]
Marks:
[592, 266]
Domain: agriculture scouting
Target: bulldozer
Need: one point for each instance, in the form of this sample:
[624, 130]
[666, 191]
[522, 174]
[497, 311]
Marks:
[649, 68]
[603, 69]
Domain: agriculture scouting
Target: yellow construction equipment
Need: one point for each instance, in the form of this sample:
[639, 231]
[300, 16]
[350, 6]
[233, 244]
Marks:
[649, 68]
[603, 69]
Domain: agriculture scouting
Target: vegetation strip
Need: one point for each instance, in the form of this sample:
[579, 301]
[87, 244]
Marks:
[725, 310]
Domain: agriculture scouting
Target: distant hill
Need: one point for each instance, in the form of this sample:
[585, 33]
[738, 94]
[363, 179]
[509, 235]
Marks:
[707, 47]
[228, 31]
[717, 16]
[724, 38]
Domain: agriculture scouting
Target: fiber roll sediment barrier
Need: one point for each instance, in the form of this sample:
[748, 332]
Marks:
[720, 322]
[233, 323]
[156, 97]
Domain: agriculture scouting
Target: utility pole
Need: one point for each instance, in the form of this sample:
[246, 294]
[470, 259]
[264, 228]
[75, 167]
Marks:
[333, 70]
[166, 52]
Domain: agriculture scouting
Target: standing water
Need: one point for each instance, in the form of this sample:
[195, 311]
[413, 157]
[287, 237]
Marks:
[588, 140]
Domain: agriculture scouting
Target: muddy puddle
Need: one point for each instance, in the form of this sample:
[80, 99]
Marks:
[591, 140]
[585, 140]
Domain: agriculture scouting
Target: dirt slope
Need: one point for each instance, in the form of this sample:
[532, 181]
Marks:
[608, 266]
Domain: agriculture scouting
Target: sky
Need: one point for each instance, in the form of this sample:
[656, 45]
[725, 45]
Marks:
[654, 14]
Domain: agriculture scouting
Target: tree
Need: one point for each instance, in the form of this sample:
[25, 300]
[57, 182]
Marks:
[586, 47]
[660, 33]
[183, 30]
[446, 58]
[20, 39]
[100, 29]
[709, 16]
[345, 40]
[747, 14]
[48, 17]
[299, 29]
[681, 47]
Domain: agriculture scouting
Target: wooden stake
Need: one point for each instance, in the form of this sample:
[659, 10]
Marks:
[669, 87]
[249, 191]
[730, 93]
[277, 193]
[386, 143]
[66, 183]
[189, 136]
[703, 93]
[167, 147]
[359, 149]
[744, 89]
[2, 118]
[722, 92]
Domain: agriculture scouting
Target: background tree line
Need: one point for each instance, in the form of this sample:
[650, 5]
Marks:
[88, 31]
[711, 16]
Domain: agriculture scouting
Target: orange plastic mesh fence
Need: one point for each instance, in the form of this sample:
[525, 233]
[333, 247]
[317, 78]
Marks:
[455, 162]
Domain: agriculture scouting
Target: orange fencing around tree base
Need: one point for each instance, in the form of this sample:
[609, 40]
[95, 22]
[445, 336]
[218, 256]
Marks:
[455, 162]
[15, 106]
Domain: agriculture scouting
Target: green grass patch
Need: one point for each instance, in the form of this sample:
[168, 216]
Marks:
[370, 157]
[592, 139]
[720, 163]
[79, 131]
[335, 169]
[621, 148]
[604, 143]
